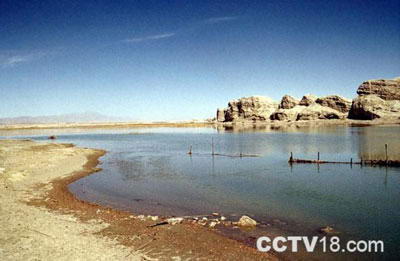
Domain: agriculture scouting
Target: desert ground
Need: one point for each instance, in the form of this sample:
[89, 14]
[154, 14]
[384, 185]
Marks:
[41, 220]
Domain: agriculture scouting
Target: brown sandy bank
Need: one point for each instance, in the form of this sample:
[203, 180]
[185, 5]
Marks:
[40, 218]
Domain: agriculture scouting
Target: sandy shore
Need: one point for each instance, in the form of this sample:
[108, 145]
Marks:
[218, 125]
[32, 233]
[41, 220]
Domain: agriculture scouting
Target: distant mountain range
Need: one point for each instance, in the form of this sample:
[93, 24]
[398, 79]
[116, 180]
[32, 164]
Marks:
[86, 117]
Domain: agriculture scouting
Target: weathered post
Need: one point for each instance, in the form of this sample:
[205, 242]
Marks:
[190, 150]
[318, 155]
[291, 157]
[386, 152]
[212, 146]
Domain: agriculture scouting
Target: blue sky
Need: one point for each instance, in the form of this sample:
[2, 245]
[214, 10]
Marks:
[176, 60]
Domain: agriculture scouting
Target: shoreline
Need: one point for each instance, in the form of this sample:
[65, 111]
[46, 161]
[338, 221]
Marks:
[132, 232]
[238, 124]
[28, 231]
[106, 125]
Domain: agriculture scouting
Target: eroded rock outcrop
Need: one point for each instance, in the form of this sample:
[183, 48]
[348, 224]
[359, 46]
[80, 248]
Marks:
[288, 102]
[311, 112]
[308, 99]
[283, 115]
[370, 107]
[384, 89]
[258, 108]
[221, 115]
[377, 99]
[254, 108]
[318, 112]
[335, 102]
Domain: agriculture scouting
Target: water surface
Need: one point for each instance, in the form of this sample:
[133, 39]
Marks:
[149, 171]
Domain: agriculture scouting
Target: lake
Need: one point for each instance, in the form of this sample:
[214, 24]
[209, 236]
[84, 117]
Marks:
[149, 171]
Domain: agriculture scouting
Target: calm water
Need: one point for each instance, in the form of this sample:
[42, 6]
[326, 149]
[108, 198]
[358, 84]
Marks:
[149, 171]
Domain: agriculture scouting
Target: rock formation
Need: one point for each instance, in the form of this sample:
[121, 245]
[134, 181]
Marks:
[335, 102]
[284, 115]
[318, 112]
[288, 102]
[221, 115]
[308, 99]
[312, 108]
[369, 107]
[258, 108]
[254, 108]
[384, 89]
[311, 112]
[377, 99]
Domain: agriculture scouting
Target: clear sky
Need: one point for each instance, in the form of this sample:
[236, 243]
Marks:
[174, 60]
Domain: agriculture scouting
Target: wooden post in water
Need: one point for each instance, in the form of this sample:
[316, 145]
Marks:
[212, 146]
[190, 150]
[386, 153]
[318, 155]
[291, 157]
[351, 162]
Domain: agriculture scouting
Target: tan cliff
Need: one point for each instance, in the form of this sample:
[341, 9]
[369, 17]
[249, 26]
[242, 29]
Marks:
[377, 99]
[254, 108]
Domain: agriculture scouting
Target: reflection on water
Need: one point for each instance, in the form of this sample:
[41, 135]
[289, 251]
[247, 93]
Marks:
[149, 171]
[372, 143]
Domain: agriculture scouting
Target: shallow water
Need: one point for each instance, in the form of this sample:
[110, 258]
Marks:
[149, 171]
